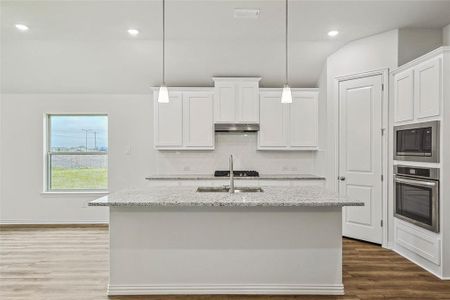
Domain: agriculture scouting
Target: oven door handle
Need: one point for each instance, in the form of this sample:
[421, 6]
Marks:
[415, 182]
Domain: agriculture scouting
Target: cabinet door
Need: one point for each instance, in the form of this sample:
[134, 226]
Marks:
[404, 96]
[272, 121]
[247, 102]
[168, 122]
[224, 102]
[198, 111]
[303, 121]
[427, 83]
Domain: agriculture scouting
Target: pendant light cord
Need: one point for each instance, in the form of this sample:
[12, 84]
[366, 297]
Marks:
[286, 45]
[164, 43]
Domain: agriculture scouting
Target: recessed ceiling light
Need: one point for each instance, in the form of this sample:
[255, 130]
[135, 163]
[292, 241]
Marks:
[333, 33]
[133, 32]
[22, 27]
[246, 13]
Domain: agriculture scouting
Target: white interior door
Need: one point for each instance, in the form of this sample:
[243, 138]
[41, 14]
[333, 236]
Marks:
[360, 156]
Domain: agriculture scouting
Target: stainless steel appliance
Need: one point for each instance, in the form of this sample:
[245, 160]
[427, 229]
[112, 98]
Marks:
[234, 127]
[236, 173]
[416, 196]
[417, 142]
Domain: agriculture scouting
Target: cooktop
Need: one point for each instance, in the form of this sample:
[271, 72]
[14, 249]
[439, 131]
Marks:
[236, 173]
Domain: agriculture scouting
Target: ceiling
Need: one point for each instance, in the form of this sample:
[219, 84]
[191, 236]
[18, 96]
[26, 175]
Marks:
[84, 47]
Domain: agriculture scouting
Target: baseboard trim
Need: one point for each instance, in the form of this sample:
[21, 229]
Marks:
[405, 255]
[51, 222]
[227, 289]
[12, 226]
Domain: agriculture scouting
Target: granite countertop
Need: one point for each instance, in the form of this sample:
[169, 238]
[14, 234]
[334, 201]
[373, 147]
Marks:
[212, 177]
[312, 196]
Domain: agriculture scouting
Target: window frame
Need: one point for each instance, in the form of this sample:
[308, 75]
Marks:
[48, 154]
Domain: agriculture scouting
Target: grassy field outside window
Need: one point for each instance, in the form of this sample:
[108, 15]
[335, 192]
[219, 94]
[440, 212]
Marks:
[77, 155]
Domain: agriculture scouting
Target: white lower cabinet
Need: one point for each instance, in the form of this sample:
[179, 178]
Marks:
[186, 122]
[288, 126]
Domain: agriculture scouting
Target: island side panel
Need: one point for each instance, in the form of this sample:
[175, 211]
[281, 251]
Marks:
[225, 250]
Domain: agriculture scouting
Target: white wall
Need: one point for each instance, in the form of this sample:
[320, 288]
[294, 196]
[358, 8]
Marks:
[130, 126]
[22, 154]
[368, 54]
[446, 35]
[372, 53]
[414, 42]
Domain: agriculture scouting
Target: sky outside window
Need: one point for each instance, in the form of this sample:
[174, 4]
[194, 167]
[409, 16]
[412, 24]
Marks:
[79, 133]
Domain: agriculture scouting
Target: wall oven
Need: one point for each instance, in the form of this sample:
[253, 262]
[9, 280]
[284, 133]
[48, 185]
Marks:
[416, 196]
[417, 142]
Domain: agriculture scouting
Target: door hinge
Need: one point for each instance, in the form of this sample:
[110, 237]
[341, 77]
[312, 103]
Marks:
[382, 86]
[382, 177]
[382, 131]
[381, 223]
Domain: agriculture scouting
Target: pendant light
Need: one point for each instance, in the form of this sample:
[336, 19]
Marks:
[286, 95]
[163, 96]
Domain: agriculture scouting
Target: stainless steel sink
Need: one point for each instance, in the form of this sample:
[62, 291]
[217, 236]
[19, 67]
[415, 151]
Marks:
[226, 189]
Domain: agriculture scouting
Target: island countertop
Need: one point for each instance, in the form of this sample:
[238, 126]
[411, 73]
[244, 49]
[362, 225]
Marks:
[176, 196]
[212, 177]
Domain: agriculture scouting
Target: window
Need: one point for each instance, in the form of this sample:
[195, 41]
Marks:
[77, 152]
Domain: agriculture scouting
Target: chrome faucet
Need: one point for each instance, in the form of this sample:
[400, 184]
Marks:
[231, 175]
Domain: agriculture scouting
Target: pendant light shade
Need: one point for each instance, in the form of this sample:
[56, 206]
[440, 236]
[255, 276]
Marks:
[286, 95]
[163, 96]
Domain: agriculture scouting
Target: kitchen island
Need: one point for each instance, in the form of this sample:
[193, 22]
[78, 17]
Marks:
[175, 240]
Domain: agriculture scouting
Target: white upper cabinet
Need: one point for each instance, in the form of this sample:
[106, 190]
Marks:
[198, 120]
[186, 122]
[224, 102]
[236, 100]
[288, 126]
[404, 96]
[303, 120]
[168, 121]
[273, 122]
[418, 90]
[427, 84]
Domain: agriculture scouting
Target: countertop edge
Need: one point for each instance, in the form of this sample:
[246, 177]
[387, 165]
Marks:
[226, 204]
[207, 177]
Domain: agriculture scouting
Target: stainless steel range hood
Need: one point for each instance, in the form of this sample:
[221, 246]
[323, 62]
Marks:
[233, 127]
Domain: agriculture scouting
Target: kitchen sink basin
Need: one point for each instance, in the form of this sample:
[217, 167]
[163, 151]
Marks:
[226, 189]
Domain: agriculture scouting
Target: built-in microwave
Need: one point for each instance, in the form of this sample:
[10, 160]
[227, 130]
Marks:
[416, 196]
[417, 142]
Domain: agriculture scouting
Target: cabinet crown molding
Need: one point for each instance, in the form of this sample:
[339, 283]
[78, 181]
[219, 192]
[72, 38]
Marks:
[240, 79]
[421, 59]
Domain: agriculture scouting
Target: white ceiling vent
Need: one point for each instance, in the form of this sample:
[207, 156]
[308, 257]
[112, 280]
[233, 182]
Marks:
[246, 13]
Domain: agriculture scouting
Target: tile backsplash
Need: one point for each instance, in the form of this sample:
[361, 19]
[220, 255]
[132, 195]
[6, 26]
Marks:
[243, 148]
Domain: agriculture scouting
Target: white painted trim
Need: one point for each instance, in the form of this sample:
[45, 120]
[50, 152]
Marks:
[50, 222]
[279, 90]
[421, 59]
[185, 89]
[255, 289]
[388, 245]
[74, 193]
[405, 255]
[236, 79]
[384, 73]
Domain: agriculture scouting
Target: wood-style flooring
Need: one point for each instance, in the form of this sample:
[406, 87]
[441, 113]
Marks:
[72, 263]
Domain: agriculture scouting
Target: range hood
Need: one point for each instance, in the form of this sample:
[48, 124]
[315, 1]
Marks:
[233, 127]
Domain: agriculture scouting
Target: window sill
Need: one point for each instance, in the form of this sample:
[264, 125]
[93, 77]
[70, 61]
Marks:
[75, 193]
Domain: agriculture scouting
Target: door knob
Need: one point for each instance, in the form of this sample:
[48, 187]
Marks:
[341, 178]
